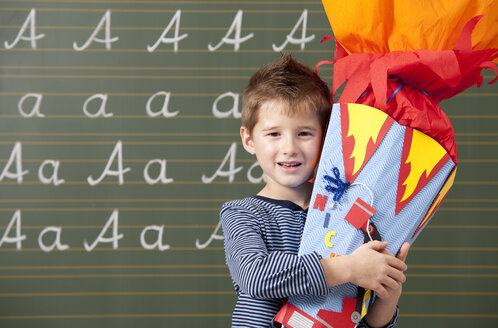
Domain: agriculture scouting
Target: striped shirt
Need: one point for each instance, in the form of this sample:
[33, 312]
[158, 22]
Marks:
[262, 237]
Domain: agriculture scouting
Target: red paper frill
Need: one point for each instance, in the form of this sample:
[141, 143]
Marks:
[427, 78]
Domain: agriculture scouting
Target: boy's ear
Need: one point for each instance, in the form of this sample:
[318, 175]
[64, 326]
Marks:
[247, 142]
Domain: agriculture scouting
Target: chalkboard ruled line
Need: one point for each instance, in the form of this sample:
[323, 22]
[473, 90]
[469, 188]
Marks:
[106, 209]
[454, 249]
[122, 227]
[172, 11]
[450, 275]
[204, 2]
[106, 267]
[161, 28]
[205, 143]
[449, 316]
[119, 134]
[121, 249]
[117, 275]
[163, 293]
[114, 316]
[76, 183]
[441, 266]
[144, 50]
[134, 117]
[138, 77]
[120, 200]
[130, 68]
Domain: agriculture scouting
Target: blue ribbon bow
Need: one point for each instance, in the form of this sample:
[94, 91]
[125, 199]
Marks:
[340, 186]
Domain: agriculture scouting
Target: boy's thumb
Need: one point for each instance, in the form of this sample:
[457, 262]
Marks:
[377, 245]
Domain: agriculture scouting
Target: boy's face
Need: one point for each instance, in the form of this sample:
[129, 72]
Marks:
[287, 147]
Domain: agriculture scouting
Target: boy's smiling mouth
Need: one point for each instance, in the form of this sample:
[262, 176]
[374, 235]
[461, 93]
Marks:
[289, 164]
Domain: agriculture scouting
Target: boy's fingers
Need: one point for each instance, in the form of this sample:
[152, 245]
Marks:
[403, 251]
[397, 263]
[377, 245]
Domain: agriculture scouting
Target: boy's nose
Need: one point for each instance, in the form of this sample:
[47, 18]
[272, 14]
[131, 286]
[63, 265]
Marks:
[289, 146]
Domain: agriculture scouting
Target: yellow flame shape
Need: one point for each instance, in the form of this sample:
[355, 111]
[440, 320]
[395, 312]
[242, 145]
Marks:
[444, 190]
[424, 155]
[364, 123]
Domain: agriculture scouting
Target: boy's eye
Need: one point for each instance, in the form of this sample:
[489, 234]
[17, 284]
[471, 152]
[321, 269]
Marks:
[305, 133]
[273, 134]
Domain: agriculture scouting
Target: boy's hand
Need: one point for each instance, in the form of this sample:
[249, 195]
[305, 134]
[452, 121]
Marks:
[373, 267]
[381, 312]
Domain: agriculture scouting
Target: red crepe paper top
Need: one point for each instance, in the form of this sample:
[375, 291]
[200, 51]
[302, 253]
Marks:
[427, 78]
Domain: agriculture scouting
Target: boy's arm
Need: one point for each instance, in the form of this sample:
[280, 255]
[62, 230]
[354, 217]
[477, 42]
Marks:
[370, 266]
[263, 274]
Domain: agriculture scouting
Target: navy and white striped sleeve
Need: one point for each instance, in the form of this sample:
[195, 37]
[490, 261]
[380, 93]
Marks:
[263, 274]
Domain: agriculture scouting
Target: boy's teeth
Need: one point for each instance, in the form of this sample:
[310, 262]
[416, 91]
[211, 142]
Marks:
[289, 164]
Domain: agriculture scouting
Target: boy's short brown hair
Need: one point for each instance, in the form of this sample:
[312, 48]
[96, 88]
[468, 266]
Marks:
[290, 82]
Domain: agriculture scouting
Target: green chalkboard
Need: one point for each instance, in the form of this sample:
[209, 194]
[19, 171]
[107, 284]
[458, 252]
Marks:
[119, 142]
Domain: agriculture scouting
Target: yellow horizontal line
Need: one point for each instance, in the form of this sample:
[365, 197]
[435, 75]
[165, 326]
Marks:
[467, 209]
[124, 200]
[136, 183]
[164, 293]
[119, 117]
[195, 51]
[161, 28]
[427, 293]
[170, 160]
[477, 160]
[85, 209]
[107, 267]
[121, 77]
[453, 266]
[455, 249]
[465, 227]
[448, 315]
[162, 2]
[474, 94]
[452, 275]
[157, 10]
[476, 134]
[116, 275]
[167, 226]
[112, 316]
[474, 143]
[206, 143]
[129, 134]
[121, 249]
[466, 117]
[111, 94]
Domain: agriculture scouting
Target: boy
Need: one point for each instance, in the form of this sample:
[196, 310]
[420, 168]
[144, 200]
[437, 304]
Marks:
[285, 112]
